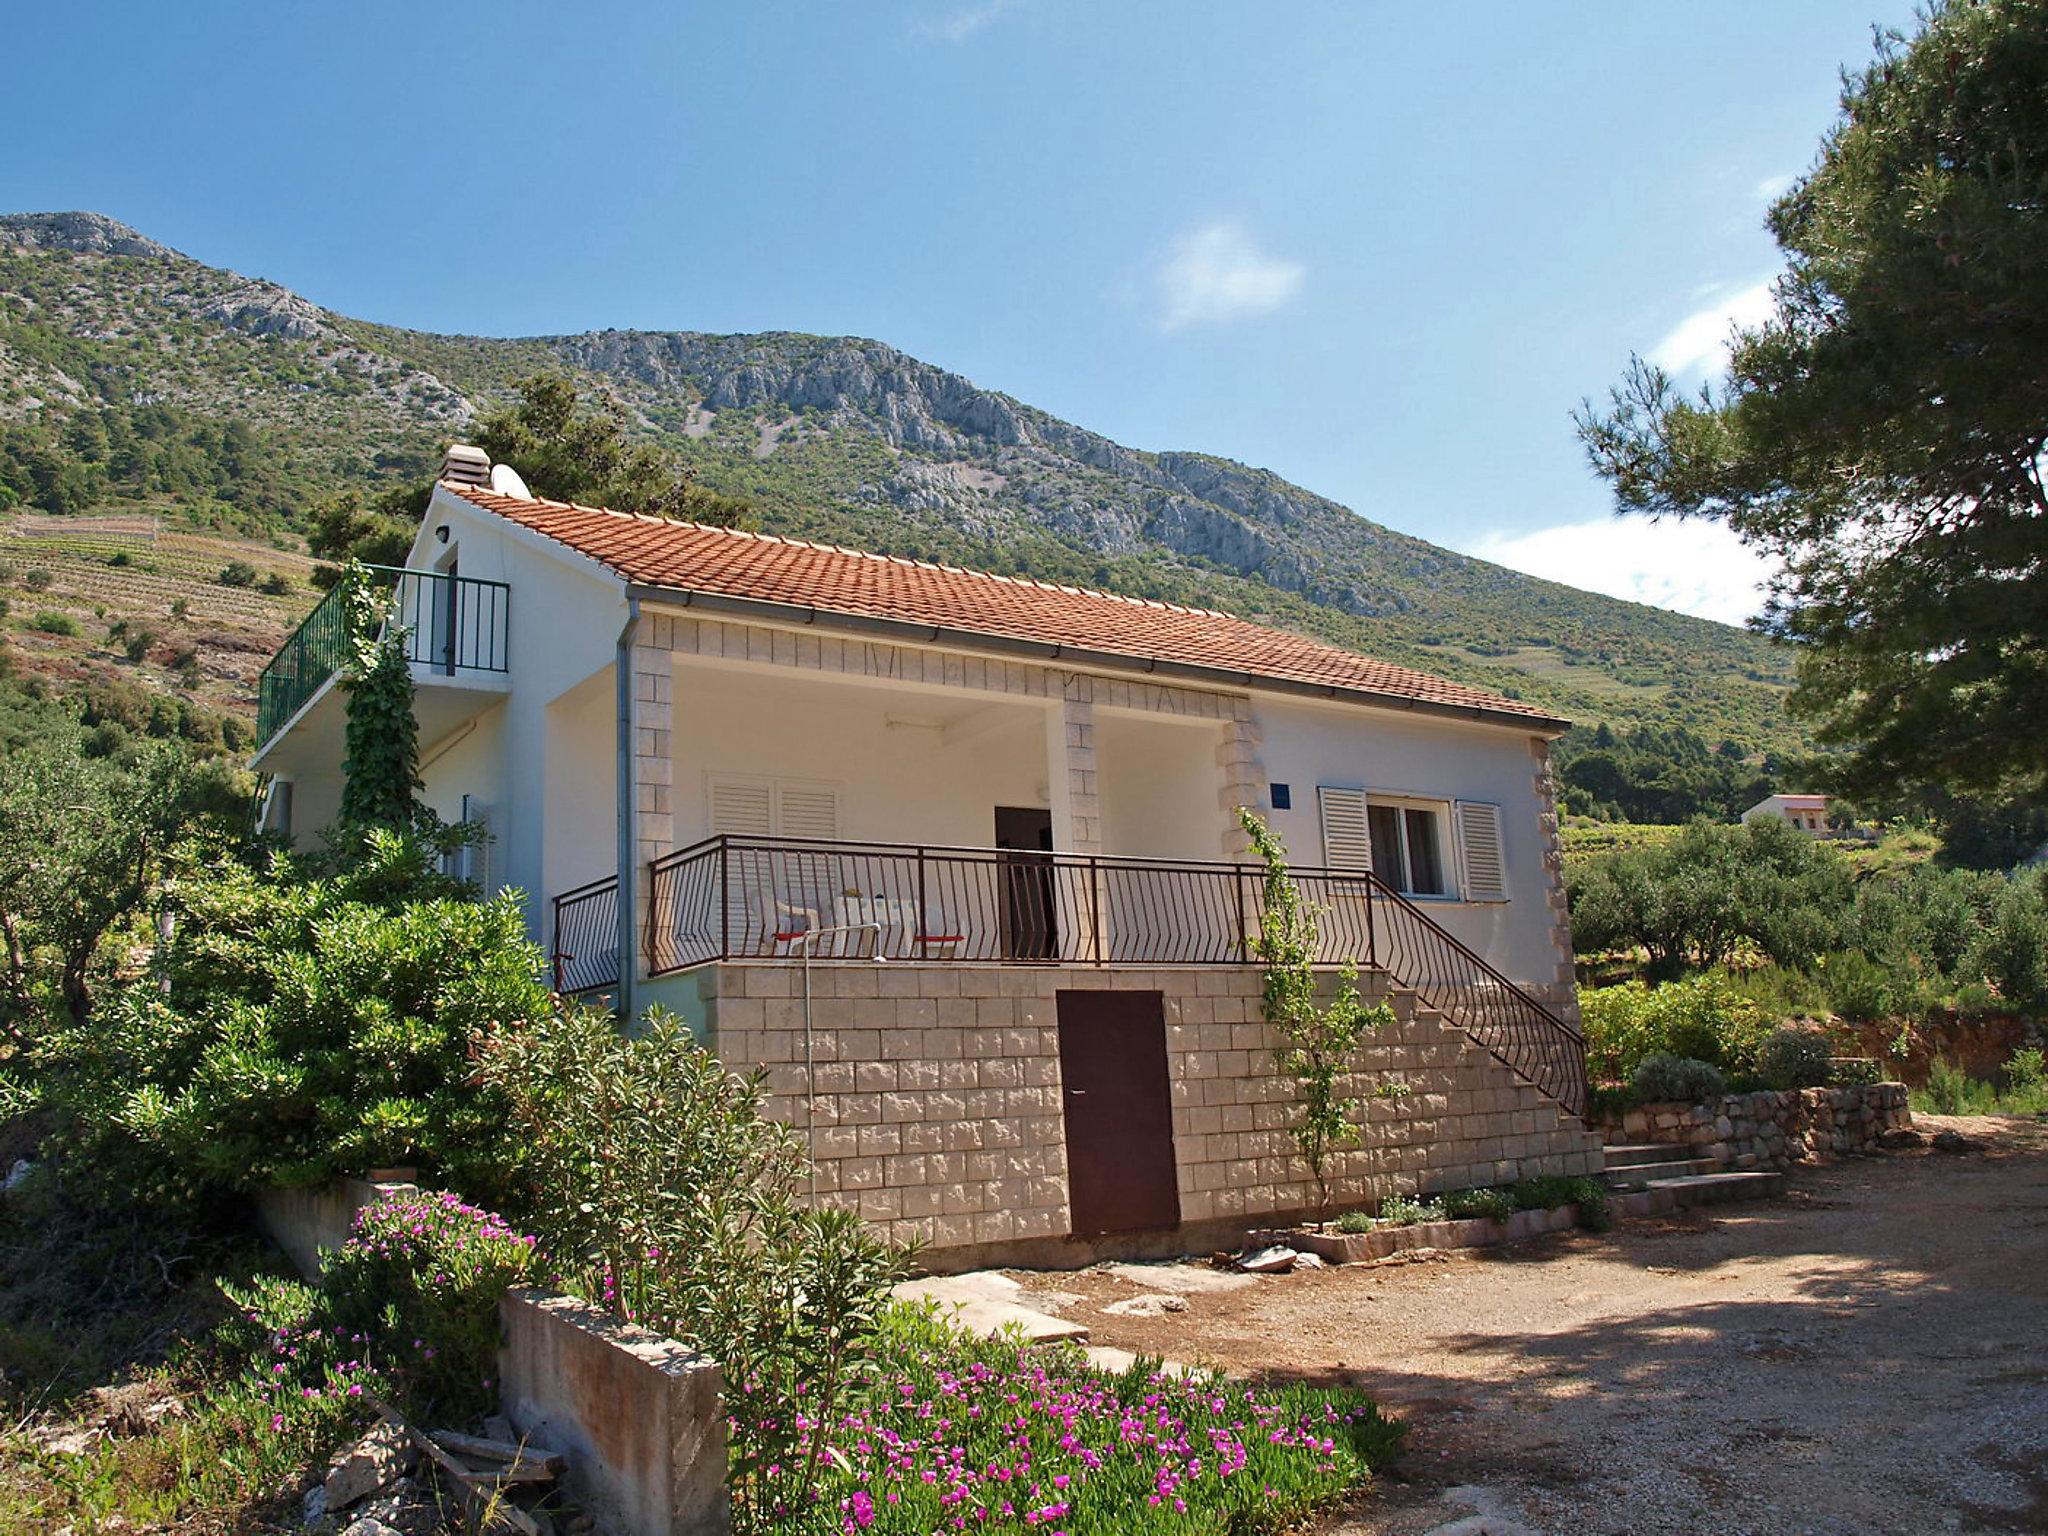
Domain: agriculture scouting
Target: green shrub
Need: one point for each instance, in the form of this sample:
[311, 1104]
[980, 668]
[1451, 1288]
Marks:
[307, 1028]
[1794, 1058]
[56, 624]
[39, 580]
[2011, 952]
[1464, 1204]
[419, 1281]
[1854, 1071]
[237, 573]
[1952, 1091]
[1355, 1222]
[1409, 1211]
[1859, 989]
[657, 1183]
[276, 584]
[1663, 1078]
[1705, 1018]
[1550, 1191]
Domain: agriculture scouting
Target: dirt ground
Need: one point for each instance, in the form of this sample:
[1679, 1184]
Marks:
[1868, 1354]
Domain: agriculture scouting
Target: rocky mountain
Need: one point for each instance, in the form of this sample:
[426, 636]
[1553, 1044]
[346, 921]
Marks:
[852, 440]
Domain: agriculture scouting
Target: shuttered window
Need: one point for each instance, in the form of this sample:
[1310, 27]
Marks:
[742, 807]
[1479, 841]
[807, 810]
[753, 807]
[1346, 842]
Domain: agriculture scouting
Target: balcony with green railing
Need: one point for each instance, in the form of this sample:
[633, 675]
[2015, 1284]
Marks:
[451, 625]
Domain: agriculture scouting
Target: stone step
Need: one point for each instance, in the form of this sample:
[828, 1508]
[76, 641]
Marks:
[1642, 1175]
[1645, 1152]
[1716, 1188]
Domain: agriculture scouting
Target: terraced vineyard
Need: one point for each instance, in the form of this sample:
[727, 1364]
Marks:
[141, 570]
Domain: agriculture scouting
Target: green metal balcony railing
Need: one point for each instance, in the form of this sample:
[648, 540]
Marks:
[450, 623]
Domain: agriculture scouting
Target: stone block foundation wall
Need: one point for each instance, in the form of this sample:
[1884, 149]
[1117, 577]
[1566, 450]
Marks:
[938, 1105]
[1771, 1129]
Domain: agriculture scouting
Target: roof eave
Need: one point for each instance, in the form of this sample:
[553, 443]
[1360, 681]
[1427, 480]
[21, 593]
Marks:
[1038, 650]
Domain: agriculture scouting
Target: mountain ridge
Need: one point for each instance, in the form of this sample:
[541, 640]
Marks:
[855, 441]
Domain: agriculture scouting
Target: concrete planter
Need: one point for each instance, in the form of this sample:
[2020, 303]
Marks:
[1475, 1232]
[640, 1418]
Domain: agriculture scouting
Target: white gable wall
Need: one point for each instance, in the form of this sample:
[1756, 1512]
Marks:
[1427, 757]
[566, 613]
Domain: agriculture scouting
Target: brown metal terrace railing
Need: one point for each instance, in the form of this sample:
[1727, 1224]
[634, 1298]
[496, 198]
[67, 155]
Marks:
[744, 898]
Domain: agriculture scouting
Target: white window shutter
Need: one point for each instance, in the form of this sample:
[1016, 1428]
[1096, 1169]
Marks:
[807, 810]
[1479, 841]
[742, 807]
[1346, 842]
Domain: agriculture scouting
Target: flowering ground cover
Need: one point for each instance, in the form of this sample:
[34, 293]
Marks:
[957, 1435]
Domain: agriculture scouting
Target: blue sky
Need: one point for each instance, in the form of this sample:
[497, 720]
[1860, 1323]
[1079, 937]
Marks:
[1380, 249]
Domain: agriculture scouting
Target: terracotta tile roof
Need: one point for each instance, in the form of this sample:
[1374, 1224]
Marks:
[656, 552]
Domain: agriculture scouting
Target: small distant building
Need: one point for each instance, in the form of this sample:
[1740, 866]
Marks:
[1809, 813]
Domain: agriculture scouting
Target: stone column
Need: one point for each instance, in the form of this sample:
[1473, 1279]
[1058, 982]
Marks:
[1244, 776]
[653, 787]
[1075, 791]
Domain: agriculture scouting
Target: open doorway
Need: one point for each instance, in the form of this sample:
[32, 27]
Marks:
[1030, 929]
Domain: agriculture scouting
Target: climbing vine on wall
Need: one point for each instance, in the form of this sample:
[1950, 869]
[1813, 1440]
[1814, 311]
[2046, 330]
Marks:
[381, 771]
[1320, 1037]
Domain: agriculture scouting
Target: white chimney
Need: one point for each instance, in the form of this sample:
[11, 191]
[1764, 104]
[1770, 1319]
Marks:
[466, 465]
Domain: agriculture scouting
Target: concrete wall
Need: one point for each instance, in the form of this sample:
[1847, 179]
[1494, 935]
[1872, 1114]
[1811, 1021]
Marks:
[938, 1105]
[309, 1223]
[638, 1416]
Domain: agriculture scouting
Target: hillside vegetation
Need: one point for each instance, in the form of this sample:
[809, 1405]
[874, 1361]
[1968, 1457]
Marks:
[828, 437]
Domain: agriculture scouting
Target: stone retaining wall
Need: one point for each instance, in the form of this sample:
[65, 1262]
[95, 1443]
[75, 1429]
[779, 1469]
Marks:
[1770, 1129]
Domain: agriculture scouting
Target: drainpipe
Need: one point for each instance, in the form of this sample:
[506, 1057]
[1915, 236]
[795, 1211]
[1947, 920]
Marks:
[629, 875]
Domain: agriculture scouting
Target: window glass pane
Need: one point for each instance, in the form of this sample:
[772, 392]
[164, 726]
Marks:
[1384, 824]
[1425, 865]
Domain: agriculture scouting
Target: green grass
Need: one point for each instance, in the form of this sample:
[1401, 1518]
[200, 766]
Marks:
[90, 1300]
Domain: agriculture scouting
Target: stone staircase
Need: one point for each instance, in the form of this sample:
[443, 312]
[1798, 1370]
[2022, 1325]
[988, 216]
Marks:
[1672, 1174]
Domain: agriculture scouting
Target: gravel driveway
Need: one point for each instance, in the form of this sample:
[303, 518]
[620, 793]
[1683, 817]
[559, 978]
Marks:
[1869, 1354]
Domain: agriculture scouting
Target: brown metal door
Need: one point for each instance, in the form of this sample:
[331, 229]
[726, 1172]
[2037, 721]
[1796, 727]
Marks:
[1119, 1113]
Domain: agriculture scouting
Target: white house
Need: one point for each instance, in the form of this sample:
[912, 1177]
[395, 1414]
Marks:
[1809, 813]
[955, 857]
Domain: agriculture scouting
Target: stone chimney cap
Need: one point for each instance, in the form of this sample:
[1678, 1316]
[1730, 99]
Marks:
[466, 465]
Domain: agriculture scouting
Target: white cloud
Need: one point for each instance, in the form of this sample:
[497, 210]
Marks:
[958, 25]
[1699, 342]
[1771, 188]
[1218, 273]
[1694, 567]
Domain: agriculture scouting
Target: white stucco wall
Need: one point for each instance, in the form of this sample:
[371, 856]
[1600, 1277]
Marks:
[898, 782]
[565, 617]
[1160, 786]
[470, 761]
[1308, 744]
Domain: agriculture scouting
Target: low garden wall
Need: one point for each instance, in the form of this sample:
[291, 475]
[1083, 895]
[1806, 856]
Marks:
[638, 1416]
[1770, 1128]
